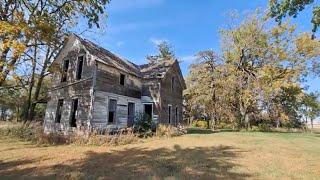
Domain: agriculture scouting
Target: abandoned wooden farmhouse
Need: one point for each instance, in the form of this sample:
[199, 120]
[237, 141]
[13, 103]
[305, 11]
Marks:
[96, 88]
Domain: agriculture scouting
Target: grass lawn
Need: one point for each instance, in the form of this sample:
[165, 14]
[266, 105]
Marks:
[224, 155]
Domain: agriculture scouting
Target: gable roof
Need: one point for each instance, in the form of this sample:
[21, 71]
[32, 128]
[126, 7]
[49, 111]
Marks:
[147, 71]
[110, 58]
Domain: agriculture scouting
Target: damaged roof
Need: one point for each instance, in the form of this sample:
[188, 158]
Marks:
[150, 70]
[156, 69]
[110, 58]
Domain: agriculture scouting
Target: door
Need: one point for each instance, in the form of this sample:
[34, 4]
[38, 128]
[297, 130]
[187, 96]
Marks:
[131, 114]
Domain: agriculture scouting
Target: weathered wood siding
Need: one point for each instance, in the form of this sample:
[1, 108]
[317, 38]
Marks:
[174, 98]
[69, 90]
[151, 94]
[100, 110]
[108, 80]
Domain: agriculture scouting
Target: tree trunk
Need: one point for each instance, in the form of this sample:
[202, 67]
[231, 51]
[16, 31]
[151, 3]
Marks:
[31, 84]
[40, 80]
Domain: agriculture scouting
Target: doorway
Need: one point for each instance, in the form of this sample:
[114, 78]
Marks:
[148, 110]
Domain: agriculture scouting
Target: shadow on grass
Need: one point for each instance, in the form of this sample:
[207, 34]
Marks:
[199, 131]
[208, 131]
[139, 163]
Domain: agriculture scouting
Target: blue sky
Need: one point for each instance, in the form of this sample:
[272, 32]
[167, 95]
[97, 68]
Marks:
[134, 27]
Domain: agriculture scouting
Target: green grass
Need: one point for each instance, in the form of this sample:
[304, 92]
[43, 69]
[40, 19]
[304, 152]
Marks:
[201, 154]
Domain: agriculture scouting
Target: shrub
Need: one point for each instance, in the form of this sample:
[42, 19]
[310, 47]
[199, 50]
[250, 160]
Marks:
[143, 125]
[168, 130]
[200, 124]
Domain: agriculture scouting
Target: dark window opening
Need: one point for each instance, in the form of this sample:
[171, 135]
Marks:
[73, 122]
[112, 110]
[176, 115]
[122, 77]
[65, 70]
[59, 110]
[148, 109]
[172, 84]
[169, 114]
[79, 68]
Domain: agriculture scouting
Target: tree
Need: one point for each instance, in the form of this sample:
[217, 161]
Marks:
[32, 33]
[279, 9]
[203, 84]
[257, 77]
[310, 107]
[166, 52]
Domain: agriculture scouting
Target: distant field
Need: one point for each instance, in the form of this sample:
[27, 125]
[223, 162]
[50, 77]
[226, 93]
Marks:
[199, 155]
[317, 126]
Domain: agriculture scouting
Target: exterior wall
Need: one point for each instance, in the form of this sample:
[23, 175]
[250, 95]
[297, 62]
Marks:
[101, 108]
[108, 80]
[69, 90]
[151, 94]
[174, 98]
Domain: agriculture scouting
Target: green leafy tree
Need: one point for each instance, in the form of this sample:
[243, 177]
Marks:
[310, 107]
[279, 9]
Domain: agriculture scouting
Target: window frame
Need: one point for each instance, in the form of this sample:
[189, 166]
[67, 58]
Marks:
[169, 113]
[78, 73]
[124, 79]
[65, 68]
[74, 112]
[59, 109]
[114, 112]
[176, 114]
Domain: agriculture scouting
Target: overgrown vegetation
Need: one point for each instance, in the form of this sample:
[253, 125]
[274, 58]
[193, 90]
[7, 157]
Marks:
[34, 132]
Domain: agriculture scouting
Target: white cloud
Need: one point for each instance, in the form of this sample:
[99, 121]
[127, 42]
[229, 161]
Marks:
[157, 41]
[123, 5]
[120, 43]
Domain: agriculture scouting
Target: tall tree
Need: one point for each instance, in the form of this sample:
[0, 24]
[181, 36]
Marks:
[166, 52]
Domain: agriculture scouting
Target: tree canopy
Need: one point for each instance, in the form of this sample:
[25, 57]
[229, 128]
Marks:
[279, 9]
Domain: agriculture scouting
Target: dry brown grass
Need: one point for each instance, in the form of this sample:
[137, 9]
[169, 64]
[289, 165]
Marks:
[225, 155]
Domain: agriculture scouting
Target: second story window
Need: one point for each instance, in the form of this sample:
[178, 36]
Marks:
[172, 84]
[122, 78]
[65, 68]
[79, 67]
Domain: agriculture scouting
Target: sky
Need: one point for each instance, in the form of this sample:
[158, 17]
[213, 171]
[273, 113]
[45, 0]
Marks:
[135, 27]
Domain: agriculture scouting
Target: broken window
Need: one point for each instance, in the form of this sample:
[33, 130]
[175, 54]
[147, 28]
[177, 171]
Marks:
[169, 114]
[112, 110]
[65, 68]
[59, 111]
[172, 84]
[73, 120]
[122, 77]
[79, 67]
